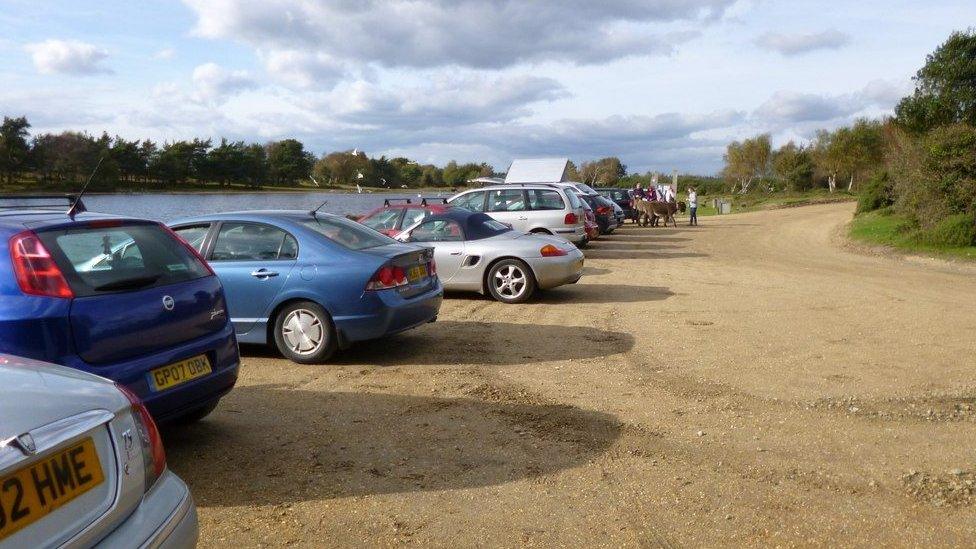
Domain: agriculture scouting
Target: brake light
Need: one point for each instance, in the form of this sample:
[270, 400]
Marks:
[105, 223]
[153, 454]
[571, 219]
[603, 210]
[189, 248]
[551, 251]
[432, 267]
[35, 269]
[388, 276]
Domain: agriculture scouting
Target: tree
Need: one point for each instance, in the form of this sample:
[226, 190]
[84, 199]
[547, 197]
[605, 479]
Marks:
[288, 161]
[945, 87]
[13, 146]
[345, 166]
[747, 161]
[794, 166]
[852, 153]
[605, 172]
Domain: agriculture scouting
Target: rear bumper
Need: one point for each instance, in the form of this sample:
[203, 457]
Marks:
[576, 235]
[551, 272]
[391, 314]
[220, 347]
[167, 518]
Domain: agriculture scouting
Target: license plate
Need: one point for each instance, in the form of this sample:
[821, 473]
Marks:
[33, 492]
[170, 376]
[416, 273]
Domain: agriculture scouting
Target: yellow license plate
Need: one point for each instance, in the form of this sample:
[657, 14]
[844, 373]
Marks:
[416, 273]
[33, 492]
[170, 376]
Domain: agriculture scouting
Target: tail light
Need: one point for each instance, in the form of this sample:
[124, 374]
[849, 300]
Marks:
[571, 219]
[551, 251]
[189, 248]
[603, 210]
[432, 267]
[388, 276]
[153, 455]
[35, 269]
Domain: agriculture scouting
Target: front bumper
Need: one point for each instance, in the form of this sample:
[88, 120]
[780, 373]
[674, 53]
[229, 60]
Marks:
[391, 314]
[166, 518]
[551, 272]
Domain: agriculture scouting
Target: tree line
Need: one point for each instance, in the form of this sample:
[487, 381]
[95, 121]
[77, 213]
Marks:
[919, 163]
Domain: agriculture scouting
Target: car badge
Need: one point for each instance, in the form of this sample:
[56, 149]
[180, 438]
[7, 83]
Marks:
[215, 313]
[169, 303]
[26, 444]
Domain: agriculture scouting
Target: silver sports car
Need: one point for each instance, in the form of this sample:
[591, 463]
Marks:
[474, 252]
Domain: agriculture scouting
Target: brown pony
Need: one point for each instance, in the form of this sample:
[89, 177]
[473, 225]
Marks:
[654, 211]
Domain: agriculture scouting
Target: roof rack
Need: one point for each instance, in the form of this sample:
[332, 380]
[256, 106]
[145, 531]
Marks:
[386, 201]
[437, 200]
[69, 200]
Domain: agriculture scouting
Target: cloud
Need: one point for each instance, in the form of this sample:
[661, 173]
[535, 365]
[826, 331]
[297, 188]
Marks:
[468, 33]
[213, 83]
[67, 57]
[797, 44]
[300, 69]
[784, 108]
[165, 54]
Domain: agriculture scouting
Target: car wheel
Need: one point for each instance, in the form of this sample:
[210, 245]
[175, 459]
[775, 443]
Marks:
[304, 333]
[511, 281]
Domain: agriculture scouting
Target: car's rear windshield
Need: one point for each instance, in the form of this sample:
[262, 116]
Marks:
[121, 258]
[585, 188]
[574, 200]
[347, 233]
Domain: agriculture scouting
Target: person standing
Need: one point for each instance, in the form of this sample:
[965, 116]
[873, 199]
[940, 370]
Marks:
[693, 206]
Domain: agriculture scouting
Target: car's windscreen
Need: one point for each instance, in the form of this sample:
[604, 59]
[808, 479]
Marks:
[347, 233]
[122, 258]
[384, 220]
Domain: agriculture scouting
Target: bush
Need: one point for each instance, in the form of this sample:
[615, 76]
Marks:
[875, 195]
[954, 231]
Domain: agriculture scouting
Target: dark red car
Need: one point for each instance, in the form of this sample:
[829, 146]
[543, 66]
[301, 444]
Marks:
[397, 214]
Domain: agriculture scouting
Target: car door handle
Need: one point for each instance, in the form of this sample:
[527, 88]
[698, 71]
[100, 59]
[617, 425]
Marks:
[455, 253]
[523, 218]
[263, 273]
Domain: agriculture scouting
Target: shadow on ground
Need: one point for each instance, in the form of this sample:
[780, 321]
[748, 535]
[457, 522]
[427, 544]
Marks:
[638, 253]
[472, 342]
[272, 444]
[602, 293]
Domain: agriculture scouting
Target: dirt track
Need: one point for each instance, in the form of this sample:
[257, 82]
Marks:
[748, 381]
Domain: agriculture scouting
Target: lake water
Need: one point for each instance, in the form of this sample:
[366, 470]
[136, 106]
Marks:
[165, 207]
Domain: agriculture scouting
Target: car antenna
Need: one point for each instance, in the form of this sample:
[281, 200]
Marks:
[78, 206]
[316, 210]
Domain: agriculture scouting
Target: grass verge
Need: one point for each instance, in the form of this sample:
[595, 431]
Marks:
[887, 229]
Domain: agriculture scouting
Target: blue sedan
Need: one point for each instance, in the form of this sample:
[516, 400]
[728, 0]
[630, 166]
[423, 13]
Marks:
[313, 283]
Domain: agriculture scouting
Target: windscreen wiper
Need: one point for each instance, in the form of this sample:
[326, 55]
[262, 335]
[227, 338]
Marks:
[128, 283]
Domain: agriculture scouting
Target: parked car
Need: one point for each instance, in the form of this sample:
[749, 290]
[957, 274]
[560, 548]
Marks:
[478, 253]
[312, 283]
[602, 208]
[119, 297]
[396, 213]
[589, 218]
[530, 208]
[623, 199]
[82, 463]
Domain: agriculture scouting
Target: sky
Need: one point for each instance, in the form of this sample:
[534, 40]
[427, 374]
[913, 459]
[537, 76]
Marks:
[662, 84]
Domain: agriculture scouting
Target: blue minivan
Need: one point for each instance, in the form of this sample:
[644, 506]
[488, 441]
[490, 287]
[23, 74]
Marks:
[122, 298]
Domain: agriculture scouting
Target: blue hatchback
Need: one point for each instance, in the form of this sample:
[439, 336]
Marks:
[121, 298]
[313, 283]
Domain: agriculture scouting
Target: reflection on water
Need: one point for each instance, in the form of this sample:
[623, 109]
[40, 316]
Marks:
[165, 207]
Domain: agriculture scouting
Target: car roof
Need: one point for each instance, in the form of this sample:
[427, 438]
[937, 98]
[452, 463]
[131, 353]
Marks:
[507, 186]
[471, 222]
[18, 220]
[253, 215]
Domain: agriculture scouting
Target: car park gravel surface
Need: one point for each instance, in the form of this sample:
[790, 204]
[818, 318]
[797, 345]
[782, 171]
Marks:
[751, 381]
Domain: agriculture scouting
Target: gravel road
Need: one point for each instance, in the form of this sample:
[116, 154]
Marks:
[747, 382]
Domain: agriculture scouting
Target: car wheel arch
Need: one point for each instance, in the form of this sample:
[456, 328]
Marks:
[540, 230]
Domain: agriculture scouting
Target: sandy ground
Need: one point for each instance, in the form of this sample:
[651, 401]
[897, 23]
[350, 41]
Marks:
[746, 382]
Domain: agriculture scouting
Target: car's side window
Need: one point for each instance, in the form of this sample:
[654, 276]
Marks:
[506, 200]
[541, 199]
[438, 230]
[194, 235]
[412, 216]
[385, 220]
[474, 201]
[242, 241]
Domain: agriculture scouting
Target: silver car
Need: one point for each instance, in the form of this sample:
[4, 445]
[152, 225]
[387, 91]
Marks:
[474, 252]
[82, 464]
[530, 208]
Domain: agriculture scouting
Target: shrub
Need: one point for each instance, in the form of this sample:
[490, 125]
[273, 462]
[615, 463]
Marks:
[954, 231]
[875, 195]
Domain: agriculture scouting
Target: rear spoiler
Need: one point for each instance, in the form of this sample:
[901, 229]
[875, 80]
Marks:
[70, 202]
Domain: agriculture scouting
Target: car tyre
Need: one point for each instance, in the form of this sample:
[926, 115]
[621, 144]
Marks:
[304, 333]
[511, 281]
